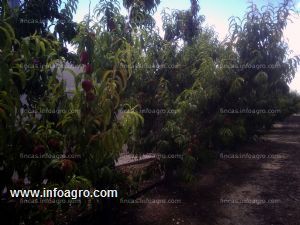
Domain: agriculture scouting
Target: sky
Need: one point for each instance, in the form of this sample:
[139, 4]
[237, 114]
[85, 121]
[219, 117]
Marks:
[217, 13]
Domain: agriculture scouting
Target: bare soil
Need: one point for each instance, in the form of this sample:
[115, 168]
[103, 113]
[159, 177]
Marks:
[235, 191]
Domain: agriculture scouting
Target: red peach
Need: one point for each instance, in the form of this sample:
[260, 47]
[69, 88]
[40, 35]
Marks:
[88, 69]
[84, 57]
[87, 85]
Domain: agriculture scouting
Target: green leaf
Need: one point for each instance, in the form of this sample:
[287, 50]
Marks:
[7, 40]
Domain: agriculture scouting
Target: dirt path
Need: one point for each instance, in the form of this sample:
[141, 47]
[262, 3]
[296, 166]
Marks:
[236, 191]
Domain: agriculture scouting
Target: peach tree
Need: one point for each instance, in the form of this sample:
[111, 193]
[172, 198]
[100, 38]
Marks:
[68, 141]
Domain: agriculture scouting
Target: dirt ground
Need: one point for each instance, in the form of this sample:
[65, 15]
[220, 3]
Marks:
[260, 187]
